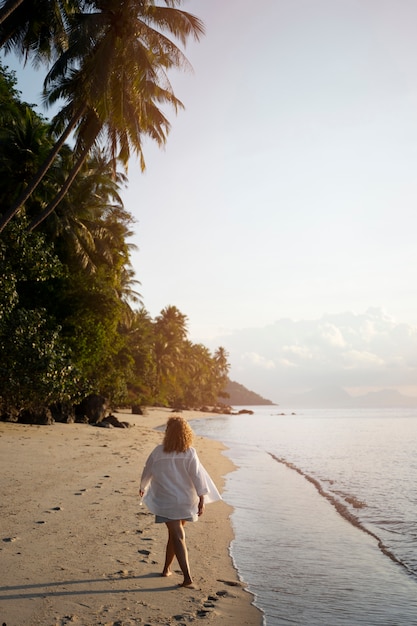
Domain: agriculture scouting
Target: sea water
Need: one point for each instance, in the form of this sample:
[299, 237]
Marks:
[325, 513]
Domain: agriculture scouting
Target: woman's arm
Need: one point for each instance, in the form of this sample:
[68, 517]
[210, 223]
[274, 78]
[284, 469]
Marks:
[195, 473]
[146, 475]
[200, 506]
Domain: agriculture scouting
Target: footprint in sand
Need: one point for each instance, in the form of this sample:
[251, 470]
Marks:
[231, 583]
[209, 605]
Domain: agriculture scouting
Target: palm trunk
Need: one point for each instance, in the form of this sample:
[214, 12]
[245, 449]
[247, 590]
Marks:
[71, 177]
[27, 192]
[5, 13]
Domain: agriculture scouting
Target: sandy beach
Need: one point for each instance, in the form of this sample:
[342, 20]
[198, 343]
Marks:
[77, 547]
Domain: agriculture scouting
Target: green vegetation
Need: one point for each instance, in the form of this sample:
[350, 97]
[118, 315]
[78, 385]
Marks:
[71, 322]
[108, 62]
[238, 395]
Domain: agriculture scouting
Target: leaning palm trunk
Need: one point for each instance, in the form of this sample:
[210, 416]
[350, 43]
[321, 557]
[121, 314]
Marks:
[5, 12]
[27, 192]
[71, 177]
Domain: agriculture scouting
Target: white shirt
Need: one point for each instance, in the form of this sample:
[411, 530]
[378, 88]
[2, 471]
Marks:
[173, 482]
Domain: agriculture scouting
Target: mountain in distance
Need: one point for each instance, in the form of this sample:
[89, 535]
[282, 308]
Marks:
[240, 396]
[337, 397]
[389, 398]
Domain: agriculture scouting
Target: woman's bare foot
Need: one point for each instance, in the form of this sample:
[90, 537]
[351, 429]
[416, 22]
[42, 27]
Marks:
[187, 583]
[166, 573]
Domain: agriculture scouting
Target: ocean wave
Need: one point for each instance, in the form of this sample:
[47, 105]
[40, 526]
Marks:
[344, 510]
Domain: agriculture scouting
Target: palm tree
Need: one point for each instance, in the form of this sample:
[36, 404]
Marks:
[170, 334]
[172, 325]
[221, 371]
[222, 365]
[123, 130]
[195, 376]
[91, 229]
[140, 337]
[35, 29]
[90, 225]
[24, 144]
[113, 78]
[38, 177]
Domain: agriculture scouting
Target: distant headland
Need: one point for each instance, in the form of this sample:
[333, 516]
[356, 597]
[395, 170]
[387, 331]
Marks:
[238, 395]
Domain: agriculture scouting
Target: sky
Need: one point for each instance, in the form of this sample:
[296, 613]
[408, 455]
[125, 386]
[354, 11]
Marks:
[280, 217]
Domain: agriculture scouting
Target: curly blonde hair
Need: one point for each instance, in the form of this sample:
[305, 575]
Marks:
[178, 435]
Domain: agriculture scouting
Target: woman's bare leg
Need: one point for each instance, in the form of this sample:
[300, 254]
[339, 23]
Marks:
[169, 556]
[176, 541]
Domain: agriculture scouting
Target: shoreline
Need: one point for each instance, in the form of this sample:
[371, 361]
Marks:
[77, 548]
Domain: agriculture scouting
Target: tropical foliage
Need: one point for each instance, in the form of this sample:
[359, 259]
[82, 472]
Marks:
[71, 320]
[109, 67]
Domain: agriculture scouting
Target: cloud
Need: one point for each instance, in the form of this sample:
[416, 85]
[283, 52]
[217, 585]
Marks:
[348, 350]
[286, 363]
[298, 351]
[257, 361]
[362, 359]
[332, 335]
[296, 355]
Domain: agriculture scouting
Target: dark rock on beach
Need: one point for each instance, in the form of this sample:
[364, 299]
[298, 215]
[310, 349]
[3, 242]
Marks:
[111, 421]
[63, 412]
[91, 410]
[9, 415]
[41, 416]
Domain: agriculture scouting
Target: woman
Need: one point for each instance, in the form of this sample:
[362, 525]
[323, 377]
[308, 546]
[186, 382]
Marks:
[176, 487]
